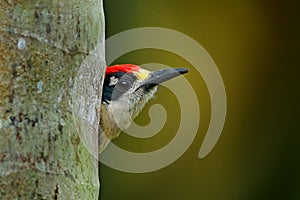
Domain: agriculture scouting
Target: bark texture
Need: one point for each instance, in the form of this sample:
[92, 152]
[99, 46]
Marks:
[51, 70]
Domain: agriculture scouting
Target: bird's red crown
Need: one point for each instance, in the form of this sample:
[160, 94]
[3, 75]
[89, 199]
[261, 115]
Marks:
[127, 68]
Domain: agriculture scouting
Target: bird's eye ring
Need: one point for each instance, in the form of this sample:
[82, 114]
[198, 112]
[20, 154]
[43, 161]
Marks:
[124, 84]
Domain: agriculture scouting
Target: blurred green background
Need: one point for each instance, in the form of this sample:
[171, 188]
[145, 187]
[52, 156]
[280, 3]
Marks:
[255, 45]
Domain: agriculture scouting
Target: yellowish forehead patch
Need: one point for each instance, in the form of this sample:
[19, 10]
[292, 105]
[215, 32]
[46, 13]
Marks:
[142, 74]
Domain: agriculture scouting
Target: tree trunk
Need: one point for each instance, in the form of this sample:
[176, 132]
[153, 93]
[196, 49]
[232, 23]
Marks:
[51, 71]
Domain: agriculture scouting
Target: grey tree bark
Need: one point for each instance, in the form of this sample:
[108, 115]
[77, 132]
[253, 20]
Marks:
[51, 71]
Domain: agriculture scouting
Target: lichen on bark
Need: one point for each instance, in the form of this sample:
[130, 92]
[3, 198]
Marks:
[43, 45]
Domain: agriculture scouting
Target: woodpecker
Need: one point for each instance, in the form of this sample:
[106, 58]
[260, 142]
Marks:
[126, 90]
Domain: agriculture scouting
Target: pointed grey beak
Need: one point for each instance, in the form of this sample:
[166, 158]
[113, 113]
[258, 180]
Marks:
[160, 76]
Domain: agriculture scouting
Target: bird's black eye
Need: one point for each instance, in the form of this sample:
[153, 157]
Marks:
[124, 84]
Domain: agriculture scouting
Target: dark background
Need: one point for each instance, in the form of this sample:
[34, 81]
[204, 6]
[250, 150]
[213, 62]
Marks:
[255, 45]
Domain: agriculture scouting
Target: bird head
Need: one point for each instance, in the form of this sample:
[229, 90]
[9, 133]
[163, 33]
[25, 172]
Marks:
[126, 90]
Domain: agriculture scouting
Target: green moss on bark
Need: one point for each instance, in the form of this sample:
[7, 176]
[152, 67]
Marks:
[42, 46]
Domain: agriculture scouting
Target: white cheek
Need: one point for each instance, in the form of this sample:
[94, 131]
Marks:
[127, 107]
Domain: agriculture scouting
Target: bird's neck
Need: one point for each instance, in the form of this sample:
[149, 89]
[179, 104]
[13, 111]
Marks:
[108, 128]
